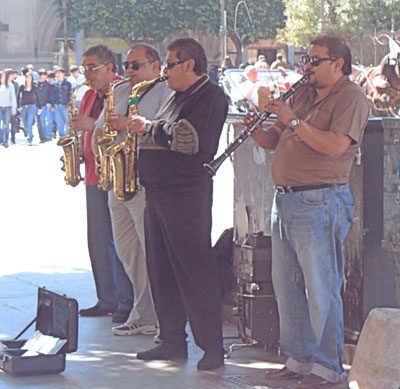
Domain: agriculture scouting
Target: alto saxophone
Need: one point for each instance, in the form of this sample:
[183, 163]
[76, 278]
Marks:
[103, 162]
[70, 144]
[124, 154]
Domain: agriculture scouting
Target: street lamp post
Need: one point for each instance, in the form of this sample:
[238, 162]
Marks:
[235, 26]
[66, 60]
[224, 30]
[322, 19]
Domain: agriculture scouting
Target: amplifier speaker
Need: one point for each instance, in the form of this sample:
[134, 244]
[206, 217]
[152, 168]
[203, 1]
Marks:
[258, 310]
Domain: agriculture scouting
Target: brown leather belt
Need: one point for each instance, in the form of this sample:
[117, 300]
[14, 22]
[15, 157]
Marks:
[282, 189]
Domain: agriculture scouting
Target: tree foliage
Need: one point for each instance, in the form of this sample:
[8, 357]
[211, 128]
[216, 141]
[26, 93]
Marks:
[350, 19]
[157, 20]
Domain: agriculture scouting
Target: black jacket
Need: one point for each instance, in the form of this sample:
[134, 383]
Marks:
[44, 93]
[205, 106]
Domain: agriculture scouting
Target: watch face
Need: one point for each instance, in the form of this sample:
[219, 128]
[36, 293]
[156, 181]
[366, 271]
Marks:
[294, 123]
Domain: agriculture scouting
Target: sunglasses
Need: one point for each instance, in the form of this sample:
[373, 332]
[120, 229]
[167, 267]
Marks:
[135, 65]
[90, 68]
[170, 65]
[315, 61]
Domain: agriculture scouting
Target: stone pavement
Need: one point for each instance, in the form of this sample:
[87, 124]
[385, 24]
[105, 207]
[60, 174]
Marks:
[104, 361]
[43, 243]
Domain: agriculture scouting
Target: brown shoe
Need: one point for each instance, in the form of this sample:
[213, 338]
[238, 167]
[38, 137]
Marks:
[282, 374]
[313, 381]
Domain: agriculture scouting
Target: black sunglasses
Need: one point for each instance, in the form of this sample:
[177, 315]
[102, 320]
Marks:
[170, 65]
[135, 65]
[315, 61]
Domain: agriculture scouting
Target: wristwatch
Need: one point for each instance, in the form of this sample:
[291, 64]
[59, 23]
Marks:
[294, 123]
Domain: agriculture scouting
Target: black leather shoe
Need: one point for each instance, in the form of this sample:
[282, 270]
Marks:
[96, 310]
[212, 359]
[120, 316]
[164, 352]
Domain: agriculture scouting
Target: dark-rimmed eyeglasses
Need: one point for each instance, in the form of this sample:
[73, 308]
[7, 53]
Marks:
[315, 61]
[90, 68]
[135, 65]
[170, 65]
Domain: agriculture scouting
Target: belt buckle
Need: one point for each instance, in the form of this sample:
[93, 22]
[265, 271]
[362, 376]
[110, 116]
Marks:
[280, 189]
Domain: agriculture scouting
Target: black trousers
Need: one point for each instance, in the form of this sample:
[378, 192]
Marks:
[182, 271]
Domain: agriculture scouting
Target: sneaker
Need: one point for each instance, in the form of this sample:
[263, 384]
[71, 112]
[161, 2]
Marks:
[128, 329]
[157, 338]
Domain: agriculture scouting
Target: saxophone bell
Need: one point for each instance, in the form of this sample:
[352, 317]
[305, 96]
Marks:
[106, 140]
[70, 144]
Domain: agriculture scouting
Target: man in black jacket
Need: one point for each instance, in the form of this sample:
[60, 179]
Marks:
[61, 96]
[183, 274]
[44, 121]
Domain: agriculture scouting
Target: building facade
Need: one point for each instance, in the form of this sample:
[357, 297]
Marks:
[28, 29]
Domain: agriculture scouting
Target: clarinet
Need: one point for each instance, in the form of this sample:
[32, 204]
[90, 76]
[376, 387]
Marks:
[214, 165]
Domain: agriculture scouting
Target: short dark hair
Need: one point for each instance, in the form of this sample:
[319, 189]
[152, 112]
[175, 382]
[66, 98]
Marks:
[151, 52]
[24, 70]
[42, 71]
[10, 71]
[51, 74]
[337, 49]
[104, 54]
[190, 48]
[7, 75]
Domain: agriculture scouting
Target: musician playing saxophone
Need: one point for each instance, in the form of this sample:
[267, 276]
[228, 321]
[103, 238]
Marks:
[113, 287]
[142, 64]
[182, 137]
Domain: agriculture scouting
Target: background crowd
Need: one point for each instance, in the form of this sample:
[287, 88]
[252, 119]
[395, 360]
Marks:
[28, 97]
[42, 97]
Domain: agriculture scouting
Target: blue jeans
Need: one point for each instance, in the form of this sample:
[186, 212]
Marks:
[61, 116]
[308, 230]
[5, 116]
[28, 113]
[46, 123]
[113, 287]
[51, 119]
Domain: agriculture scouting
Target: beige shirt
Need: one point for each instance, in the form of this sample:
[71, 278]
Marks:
[344, 110]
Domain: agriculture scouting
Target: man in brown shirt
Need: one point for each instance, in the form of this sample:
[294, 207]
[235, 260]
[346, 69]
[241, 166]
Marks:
[315, 140]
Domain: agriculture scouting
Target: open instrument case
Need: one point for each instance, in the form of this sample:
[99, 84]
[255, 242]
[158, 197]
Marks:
[57, 316]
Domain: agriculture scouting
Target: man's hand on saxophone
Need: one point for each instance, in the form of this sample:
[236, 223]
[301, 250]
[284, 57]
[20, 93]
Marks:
[117, 122]
[137, 124]
[82, 123]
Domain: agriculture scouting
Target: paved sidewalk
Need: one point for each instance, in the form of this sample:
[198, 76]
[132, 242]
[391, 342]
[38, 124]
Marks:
[104, 361]
[43, 243]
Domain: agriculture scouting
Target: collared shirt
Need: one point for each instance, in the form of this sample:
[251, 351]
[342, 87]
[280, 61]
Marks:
[86, 109]
[44, 93]
[148, 105]
[345, 111]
